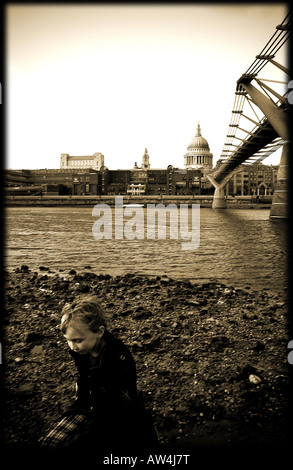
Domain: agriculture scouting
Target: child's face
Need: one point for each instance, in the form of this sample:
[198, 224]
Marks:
[82, 340]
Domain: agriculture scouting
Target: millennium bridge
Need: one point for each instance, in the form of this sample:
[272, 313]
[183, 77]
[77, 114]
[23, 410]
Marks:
[265, 107]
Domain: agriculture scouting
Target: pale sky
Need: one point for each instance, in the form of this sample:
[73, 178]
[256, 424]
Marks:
[117, 79]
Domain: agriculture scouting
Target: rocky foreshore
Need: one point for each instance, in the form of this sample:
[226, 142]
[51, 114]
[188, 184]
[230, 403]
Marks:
[211, 359]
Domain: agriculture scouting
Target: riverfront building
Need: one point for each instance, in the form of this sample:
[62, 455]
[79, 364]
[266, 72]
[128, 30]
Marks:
[52, 182]
[95, 161]
[254, 180]
[88, 175]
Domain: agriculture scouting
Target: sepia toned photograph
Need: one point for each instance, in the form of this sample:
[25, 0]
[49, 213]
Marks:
[146, 270]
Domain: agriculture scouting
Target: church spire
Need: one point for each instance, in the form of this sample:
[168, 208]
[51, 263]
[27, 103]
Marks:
[145, 160]
[198, 132]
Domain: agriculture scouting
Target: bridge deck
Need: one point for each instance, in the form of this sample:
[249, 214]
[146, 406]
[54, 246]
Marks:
[263, 136]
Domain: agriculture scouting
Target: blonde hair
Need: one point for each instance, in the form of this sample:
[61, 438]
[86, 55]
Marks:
[87, 310]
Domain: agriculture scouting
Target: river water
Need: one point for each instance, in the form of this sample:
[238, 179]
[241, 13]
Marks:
[237, 247]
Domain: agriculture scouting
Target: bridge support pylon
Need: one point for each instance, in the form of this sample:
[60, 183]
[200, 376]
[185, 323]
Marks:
[219, 200]
[279, 208]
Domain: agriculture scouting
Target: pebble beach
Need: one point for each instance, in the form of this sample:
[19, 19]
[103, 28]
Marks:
[211, 358]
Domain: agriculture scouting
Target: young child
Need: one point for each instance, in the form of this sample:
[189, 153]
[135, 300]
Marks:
[108, 412]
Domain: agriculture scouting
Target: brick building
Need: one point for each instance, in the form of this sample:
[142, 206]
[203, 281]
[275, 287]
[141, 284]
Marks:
[255, 180]
[87, 175]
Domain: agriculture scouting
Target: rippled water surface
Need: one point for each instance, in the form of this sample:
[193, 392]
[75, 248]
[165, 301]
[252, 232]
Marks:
[240, 247]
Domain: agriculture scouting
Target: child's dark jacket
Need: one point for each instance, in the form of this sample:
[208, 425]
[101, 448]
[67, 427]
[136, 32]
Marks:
[107, 391]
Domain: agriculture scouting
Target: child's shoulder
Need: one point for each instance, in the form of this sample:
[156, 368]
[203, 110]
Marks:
[117, 348]
[114, 342]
